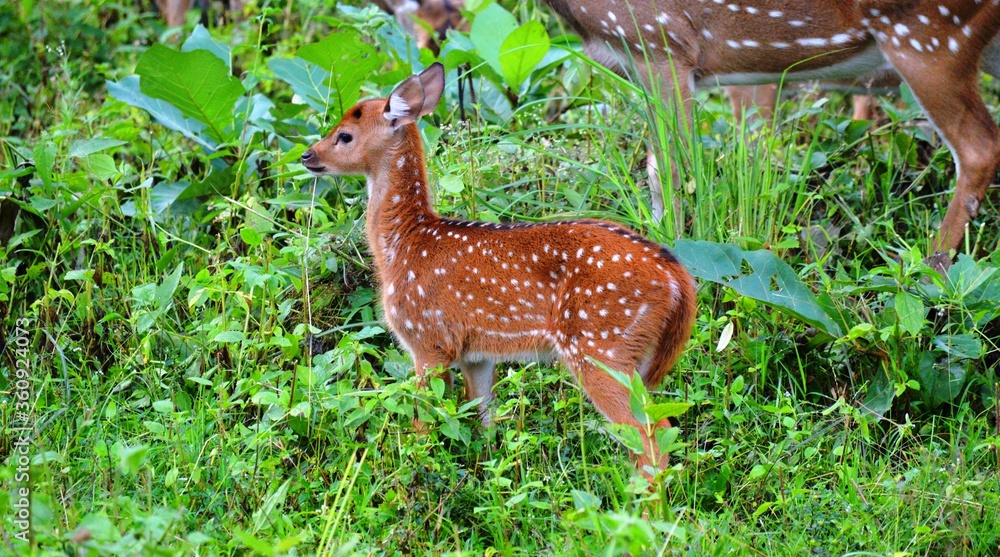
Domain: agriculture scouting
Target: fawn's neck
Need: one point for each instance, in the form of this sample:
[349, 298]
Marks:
[399, 202]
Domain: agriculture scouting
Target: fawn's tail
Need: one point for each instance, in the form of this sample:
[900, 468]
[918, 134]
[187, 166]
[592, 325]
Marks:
[677, 330]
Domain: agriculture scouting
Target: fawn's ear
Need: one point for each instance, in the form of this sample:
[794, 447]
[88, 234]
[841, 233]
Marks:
[416, 96]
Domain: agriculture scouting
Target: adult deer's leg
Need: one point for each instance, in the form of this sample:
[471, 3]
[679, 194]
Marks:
[864, 107]
[672, 79]
[762, 97]
[479, 379]
[946, 85]
[173, 11]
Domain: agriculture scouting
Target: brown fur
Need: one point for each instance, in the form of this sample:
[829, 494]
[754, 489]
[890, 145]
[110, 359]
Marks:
[935, 46]
[419, 17]
[471, 294]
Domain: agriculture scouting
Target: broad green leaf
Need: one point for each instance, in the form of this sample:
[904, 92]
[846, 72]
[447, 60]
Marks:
[254, 544]
[347, 62]
[663, 410]
[86, 275]
[977, 283]
[197, 83]
[165, 290]
[452, 183]
[638, 399]
[306, 80]
[201, 39]
[84, 147]
[910, 311]
[229, 336]
[521, 51]
[99, 526]
[940, 380]
[771, 281]
[218, 182]
[262, 517]
[132, 458]
[163, 195]
[250, 236]
[102, 166]
[489, 29]
[965, 346]
[585, 500]
[128, 91]
[880, 394]
[45, 158]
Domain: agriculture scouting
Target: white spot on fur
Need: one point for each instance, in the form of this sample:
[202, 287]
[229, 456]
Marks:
[812, 42]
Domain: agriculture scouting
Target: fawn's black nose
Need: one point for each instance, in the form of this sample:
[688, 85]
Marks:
[308, 156]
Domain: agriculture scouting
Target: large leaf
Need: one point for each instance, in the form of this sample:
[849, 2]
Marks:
[489, 29]
[771, 281]
[84, 147]
[976, 283]
[307, 80]
[127, 91]
[201, 39]
[347, 62]
[197, 83]
[940, 380]
[521, 51]
[910, 311]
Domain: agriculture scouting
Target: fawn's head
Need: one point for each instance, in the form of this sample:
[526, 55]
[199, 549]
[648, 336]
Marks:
[374, 127]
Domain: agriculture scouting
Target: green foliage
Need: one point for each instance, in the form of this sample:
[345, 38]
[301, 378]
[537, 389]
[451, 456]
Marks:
[769, 279]
[328, 74]
[197, 83]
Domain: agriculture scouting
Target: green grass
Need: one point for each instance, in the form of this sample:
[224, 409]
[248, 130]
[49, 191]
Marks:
[210, 376]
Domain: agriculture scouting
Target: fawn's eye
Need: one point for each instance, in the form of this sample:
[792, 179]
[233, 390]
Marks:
[343, 137]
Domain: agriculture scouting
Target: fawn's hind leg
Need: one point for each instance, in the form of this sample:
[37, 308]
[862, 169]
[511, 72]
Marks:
[611, 399]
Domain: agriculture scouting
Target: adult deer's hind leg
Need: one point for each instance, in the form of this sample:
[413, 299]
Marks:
[946, 83]
[673, 82]
[479, 379]
[744, 97]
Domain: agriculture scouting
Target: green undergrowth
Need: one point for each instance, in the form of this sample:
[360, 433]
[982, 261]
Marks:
[206, 372]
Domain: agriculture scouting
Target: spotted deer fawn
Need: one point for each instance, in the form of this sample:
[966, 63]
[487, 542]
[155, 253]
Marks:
[936, 47]
[470, 294]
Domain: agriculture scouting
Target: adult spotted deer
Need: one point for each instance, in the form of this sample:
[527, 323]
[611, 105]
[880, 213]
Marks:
[470, 294]
[173, 10]
[935, 46]
[428, 21]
